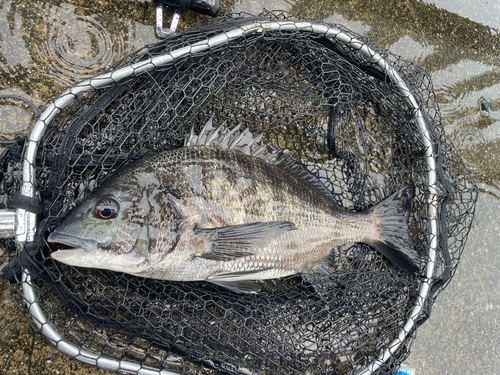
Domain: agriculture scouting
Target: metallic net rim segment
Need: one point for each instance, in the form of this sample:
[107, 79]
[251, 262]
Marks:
[26, 221]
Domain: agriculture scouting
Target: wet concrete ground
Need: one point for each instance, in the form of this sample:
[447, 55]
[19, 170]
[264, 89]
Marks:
[24, 352]
[462, 336]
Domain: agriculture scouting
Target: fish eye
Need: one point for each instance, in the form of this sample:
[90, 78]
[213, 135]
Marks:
[106, 208]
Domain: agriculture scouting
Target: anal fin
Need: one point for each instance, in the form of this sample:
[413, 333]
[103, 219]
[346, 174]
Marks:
[240, 286]
[239, 281]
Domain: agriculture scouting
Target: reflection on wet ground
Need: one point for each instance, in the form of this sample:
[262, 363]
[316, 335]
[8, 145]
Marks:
[47, 45]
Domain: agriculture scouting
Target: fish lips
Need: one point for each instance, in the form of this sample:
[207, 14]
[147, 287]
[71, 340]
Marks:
[76, 244]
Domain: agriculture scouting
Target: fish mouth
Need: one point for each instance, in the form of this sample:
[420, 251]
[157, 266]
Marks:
[90, 254]
[75, 243]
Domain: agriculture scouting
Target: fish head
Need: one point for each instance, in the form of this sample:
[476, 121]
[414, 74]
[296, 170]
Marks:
[116, 228]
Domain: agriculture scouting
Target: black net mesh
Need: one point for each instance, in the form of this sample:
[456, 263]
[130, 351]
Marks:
[335, 111]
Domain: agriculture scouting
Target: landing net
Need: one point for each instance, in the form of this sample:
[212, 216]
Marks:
[364, 120]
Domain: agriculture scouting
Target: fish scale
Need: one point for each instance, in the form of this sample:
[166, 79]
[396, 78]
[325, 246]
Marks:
[228, 209]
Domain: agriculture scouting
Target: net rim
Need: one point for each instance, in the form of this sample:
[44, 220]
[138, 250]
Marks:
[26, 221]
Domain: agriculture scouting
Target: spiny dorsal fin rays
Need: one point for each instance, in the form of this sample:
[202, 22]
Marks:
[274, 154]
[259, 150]
[213, 135]
[243, 138]
[224, 143]
[202, 137]
[235, 139]
[189, 139]
[248, 148]
[215, 138]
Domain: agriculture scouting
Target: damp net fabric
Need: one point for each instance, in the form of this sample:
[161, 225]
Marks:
[330, 108]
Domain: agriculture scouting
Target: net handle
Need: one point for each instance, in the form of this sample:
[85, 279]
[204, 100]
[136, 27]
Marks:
[26, 221]
[55, 338]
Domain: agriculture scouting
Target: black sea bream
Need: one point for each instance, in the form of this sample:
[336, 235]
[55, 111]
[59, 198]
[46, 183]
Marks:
[226, 209]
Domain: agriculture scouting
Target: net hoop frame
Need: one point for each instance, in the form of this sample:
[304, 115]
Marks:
[26, 221]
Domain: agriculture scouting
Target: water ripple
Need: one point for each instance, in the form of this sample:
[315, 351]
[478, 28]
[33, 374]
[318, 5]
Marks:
[468, 139]
[76, 46]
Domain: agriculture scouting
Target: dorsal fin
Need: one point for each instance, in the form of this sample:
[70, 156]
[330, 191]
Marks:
[245, 142]
[236, 140]
[302, 172]
[206, 131]
[226, 140]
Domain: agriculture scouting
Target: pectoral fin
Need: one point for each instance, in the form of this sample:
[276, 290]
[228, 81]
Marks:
[235, 241]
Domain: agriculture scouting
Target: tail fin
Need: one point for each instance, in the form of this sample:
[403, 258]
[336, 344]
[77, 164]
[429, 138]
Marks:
[394, 239]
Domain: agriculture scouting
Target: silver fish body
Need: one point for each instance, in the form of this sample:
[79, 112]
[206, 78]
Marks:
[225, 209]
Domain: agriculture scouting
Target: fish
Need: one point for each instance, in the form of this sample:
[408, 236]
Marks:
[227, 209]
